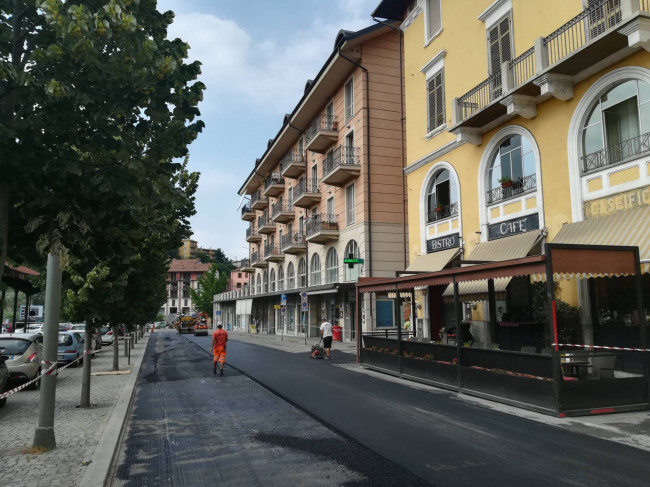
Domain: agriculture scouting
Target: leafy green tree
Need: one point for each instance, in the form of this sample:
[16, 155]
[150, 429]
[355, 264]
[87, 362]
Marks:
[209, 284]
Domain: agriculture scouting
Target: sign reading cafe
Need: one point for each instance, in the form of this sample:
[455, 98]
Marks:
[443, 243]
[513, 227]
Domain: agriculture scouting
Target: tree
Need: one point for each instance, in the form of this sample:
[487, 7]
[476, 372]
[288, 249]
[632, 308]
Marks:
[209, 284]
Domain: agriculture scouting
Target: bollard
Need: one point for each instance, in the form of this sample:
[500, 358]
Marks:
[126, 345]
[129, 359]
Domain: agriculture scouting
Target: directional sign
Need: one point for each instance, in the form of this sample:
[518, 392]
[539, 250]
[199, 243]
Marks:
[283, 299]
[218, 312]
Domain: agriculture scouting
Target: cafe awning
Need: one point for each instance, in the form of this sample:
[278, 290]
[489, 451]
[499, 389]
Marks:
[627, 228]
[433, 262]
[477, 290]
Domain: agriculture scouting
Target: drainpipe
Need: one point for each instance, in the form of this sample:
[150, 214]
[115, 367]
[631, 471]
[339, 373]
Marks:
[367, 158]
[400, 36]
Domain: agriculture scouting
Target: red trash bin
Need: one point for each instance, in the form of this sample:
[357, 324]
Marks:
[337, 333]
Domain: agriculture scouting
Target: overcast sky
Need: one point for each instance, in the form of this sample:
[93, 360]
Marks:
[257, 56]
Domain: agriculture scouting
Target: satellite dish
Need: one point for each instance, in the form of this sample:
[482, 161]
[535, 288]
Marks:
[241, 201]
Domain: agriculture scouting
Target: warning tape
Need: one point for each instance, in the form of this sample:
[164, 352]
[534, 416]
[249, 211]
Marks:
[601, 347]
[49, 371]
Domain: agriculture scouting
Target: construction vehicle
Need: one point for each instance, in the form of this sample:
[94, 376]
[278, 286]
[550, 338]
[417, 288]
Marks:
[185, 324]
[201, 324]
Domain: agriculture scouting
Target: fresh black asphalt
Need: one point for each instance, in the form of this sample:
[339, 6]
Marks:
[433, 435]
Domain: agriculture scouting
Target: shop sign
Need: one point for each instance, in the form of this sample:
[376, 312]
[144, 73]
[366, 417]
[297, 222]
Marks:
[277, 306]
[443, 243]
[513, 227]
[628, 200]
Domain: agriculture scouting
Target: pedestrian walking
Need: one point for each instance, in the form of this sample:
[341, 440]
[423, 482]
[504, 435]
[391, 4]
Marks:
[326, 333]
[218, 348]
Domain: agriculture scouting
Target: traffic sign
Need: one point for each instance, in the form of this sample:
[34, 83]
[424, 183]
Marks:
[304, 306]
[283, 310]
[218, 312]
[283, 299]
[303, 295]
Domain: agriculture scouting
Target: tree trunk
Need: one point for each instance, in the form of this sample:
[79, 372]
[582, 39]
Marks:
[116, 347]
[85, 381]
[4, 225]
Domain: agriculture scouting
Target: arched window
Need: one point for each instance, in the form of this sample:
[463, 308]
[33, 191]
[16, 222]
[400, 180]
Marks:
[512, 169]
[302, 272]
[280, 278]
[266, 282]
[272, 280]
[442, 197]
[315, 270]
[331, 266]
[258, 288]
[291, 278]
[613, 129]
[352, 250]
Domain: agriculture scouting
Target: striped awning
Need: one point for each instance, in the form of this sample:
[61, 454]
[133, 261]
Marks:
[433, 262]
[477, 290]
[630, 228]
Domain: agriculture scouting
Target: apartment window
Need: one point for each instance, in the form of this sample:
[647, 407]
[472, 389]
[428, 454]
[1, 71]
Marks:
[329, 114]
[301, 226]
[301, 145]
[185, 303]
[290, 196]
[331, 266]
[435, 101]
[291, 277]
[239, 285]
[349, 205]
[348, 97]
[173, 302]
[442, 196]
[499, 50]
[314, 177]
[302, 272]
[330, 207]
[352, 251]
[315, 270]
[280, 278]
[258, 288]
[613, 130]
[239, 275]
[514, 161]
[433, 18]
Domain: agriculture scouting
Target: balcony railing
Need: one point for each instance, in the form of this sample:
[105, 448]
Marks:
[256, 257]
[518, 186]
[262, 220]
[246, 209]
[616, 154]
[256, 197]
[291, 240]
[274, 178]
[319, 223]
[305, 186]
[280, 207]
[523, 67]
[480, 96]
[443, 212]
[321, 122]
[292, 157]
[587, 25]
[250, 231]
[341, 156]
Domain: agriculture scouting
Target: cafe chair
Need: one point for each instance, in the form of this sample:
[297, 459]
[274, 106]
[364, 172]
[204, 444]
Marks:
[546, 351]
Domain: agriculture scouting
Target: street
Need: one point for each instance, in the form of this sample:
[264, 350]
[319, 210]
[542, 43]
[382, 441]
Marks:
[188, 426]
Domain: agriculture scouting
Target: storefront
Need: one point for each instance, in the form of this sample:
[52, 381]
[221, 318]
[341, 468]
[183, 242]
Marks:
[525, 356]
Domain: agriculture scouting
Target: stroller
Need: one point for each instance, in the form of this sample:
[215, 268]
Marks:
[317, 351]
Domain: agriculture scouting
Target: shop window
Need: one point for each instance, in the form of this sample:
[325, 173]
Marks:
[302, 272]
[291, 276]
[272, 280]
[280, 278]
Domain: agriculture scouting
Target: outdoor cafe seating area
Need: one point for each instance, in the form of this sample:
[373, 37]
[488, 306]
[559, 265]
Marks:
[514, 358]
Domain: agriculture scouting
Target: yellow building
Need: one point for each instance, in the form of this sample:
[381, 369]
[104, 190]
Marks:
[188, 249]
[527, 124]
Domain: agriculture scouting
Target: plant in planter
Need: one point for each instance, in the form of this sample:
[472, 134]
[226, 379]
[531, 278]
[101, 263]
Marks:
[505, 181]
[439, 207]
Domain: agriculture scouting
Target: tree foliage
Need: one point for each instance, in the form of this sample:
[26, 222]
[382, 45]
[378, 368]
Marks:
[209, 284]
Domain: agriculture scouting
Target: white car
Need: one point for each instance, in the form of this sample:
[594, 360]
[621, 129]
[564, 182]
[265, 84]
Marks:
[107, 335]
[95, 343]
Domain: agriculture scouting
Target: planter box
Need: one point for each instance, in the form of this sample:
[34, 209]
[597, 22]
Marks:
[380, 360]
[431, 371]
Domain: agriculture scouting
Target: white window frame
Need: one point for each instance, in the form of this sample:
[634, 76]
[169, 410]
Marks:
[348, 99]
[350, 208]
[329, 270]
[315, 272]
[330, 204]
[429, 36]
[435, 65]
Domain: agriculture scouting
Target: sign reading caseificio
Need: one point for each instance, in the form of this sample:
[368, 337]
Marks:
[627, 200]
[513, 227]
[443, 243]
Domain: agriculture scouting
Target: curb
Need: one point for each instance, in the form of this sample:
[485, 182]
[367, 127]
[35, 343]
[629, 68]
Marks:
[97, 473]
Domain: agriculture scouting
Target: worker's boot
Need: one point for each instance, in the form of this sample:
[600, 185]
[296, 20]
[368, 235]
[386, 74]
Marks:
[221, 372]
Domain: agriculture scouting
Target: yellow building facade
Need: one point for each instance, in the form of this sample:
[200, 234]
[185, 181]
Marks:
[526, 122]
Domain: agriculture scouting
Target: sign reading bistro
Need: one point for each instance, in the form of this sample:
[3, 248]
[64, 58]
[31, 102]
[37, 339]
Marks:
[628, 200]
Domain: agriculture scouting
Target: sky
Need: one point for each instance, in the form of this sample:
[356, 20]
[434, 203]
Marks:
[257, 56]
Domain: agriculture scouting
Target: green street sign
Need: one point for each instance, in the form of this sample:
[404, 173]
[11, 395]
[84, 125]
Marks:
[352, 261]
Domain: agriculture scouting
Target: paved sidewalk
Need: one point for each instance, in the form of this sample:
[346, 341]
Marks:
[289, 343]
[86, 438]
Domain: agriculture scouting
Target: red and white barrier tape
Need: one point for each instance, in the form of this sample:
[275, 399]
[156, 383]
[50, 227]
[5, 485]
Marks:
[601, 347]
[46, 372]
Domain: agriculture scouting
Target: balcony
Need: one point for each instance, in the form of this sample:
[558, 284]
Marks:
[293, 164]
[442, 213]
[306, 193]
[600, 35]
[252, 236]
[616, 154]
[259, 202]
[293, 244]
[258, 261]
[272, 253]
[322, 133]
[282, 212]
[265, 226]
[247, 214]
[321, 229]
[341, 166]
[512, 189]
[273, 185]
[247, 267]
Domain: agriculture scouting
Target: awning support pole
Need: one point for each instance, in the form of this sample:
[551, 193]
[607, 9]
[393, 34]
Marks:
[399, 329]
[459, 334]
[493, 311]
[638, 283]
[552, 324]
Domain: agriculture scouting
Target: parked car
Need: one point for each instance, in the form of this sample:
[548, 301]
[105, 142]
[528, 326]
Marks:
[4, 375]
[65, 326]
[32, 328]
[71, 347]
[24, 352]
[107, 335]
[96, 338]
